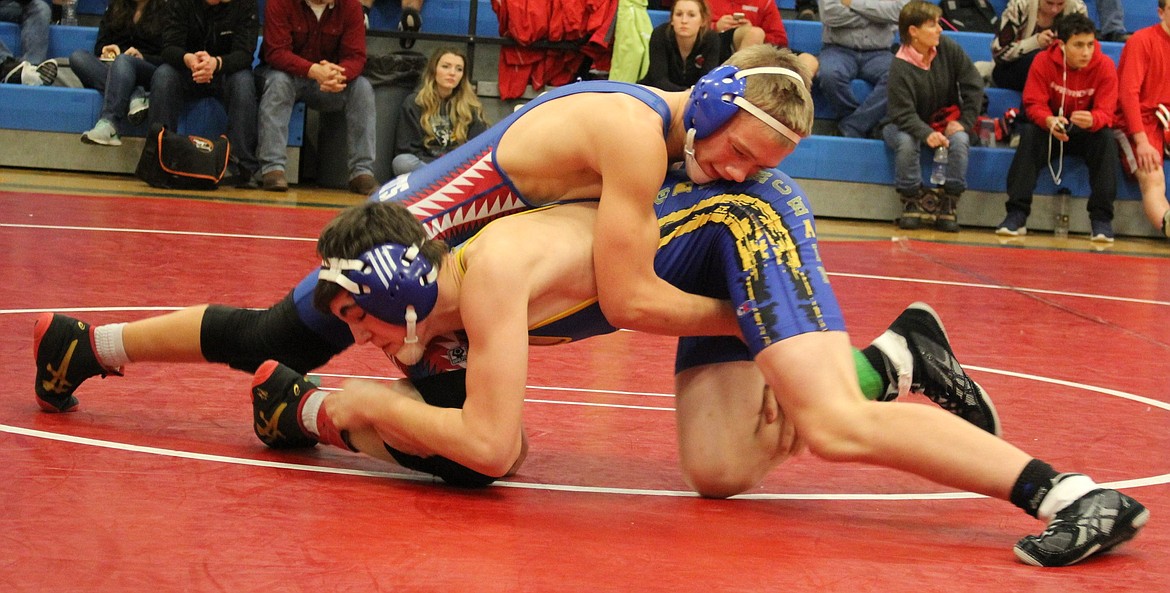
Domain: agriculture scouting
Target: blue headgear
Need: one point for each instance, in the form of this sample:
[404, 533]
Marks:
[390, 281]
[719, 94]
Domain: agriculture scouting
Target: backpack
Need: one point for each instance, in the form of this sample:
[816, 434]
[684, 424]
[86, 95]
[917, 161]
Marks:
[174, 161]
[969, 15]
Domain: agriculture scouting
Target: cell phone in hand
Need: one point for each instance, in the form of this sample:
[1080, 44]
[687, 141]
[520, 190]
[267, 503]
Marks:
[739, 17]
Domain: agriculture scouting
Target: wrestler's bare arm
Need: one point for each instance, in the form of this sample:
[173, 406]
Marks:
[632, 161]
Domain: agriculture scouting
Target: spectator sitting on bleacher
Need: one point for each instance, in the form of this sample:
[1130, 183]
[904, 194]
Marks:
[129, 43]
[315, 51]
[1144, 95]
[682, 49]
[1069, 102]
[857, 37]
[441, 115]
[935, 96]
[208, 48]
[743, 23]
[33, 18]
[1025, 28]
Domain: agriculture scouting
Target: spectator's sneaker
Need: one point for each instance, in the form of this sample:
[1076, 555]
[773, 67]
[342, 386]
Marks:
[1102, 231]
[43, 74]
[64, 353]
[918, 348]
[102, 134]
[139, 109]
[1013, 225]
[277, 395]
[1092, 524]
[411, 22]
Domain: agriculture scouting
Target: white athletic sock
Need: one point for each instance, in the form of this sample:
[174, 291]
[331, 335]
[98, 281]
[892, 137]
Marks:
[901, 364]
[1066, 491]
[107, 341]
[309, 411]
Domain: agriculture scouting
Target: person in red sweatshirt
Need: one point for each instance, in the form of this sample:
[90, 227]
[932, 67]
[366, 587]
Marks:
[743, 23]
[1144, 75]
[315, 51]
[1070, 98]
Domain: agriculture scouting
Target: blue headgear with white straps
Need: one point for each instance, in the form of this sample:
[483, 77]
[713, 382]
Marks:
[719, 95]
[392, 282]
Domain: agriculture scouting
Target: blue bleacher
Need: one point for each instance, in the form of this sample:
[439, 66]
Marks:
[870, 161]
[76, 110]
[440, 17]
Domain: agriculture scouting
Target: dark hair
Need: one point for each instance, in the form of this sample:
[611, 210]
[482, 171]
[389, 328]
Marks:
[119, 17]
[357, 229]
[915, 14]
[1074, 24]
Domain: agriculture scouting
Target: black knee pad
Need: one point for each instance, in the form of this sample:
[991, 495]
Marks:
[244, 338]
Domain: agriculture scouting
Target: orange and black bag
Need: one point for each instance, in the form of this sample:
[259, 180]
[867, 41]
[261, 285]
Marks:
[174, 161]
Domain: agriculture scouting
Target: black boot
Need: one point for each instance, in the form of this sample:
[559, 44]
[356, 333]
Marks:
[946, 220]
[915, 207]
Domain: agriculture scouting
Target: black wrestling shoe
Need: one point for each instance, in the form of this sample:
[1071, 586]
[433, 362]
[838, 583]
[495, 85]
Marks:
[64, 353]
[277, 395]
[917, 347]
[1093, 524]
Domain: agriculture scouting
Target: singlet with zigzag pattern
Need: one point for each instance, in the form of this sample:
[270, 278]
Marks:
[459, 193]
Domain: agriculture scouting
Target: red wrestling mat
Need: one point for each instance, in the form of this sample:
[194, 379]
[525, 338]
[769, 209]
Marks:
[158, 483]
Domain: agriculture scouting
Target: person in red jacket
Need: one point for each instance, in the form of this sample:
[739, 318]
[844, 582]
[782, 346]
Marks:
[315, 51]
[1144, 75]
[1069, 98]
[743, 23]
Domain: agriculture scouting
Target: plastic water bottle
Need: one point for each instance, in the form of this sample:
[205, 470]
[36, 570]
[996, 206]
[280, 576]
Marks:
[1060, 225]
[69, 13]
[938, 173]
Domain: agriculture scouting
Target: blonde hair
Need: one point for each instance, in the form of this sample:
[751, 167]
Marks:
[780, 96]
[462, 107]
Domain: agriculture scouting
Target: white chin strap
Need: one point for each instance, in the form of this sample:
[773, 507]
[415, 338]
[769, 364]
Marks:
[411, 351]
[694, 172]
[772, 122]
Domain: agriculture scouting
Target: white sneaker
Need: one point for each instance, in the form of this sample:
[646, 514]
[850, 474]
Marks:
[103, 133]
[42, 74]
[139, 108]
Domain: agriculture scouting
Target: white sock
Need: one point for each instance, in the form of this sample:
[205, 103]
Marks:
[901, 363]
[309, 411]
[1064, 493]
[107, 341]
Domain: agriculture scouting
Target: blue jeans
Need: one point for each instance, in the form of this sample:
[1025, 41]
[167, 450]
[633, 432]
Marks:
[281, 90]
[171, 88]
[1111, 16]
[908, 167]
[839, 67]
[33, 19]
[405, 163]
[116, 81]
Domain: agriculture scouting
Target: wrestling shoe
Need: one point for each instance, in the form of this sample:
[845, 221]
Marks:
[917, 347]
[277, 395]
[64, 352]
[1094, 523]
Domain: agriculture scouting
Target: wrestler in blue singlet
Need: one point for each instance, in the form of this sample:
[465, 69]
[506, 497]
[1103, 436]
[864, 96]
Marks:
[753, 243]
[462, 191]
